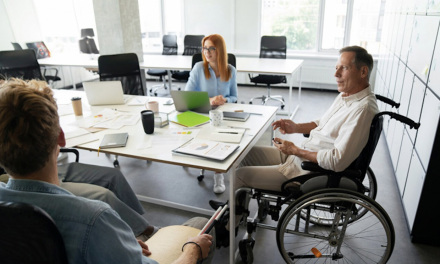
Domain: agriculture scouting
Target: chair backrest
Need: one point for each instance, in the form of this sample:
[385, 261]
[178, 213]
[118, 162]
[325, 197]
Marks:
[29, 235]
[363, 160]
[88, 46]
[21, 64]
[273, 47]
[169, 45]
[16, 46]
[192, 44]
[198, 57]
[122, 67]
[40, 49]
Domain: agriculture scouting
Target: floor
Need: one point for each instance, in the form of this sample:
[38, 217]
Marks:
[179, 184]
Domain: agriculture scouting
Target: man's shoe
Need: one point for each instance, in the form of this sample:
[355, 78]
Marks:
[216, 204]
[219, 183]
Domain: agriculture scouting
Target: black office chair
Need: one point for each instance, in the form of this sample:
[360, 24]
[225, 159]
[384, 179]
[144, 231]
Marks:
[169, 48]
[41, 51]
[87, 44]
[192, 45]
[16, 46]
[273, 47]
[29, 235]
[125, 68]
[197, 58]
[21, 64]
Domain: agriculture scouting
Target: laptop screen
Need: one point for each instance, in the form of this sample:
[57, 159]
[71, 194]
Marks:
[192, 101]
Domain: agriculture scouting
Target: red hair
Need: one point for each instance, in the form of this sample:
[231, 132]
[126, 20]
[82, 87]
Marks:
[222, 57]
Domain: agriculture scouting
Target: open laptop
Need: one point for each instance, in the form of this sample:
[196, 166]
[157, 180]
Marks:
[191, 100]
[105, 93]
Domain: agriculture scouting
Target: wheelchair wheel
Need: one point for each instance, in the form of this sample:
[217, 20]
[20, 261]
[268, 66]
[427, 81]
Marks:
[369, 240]
[325, 218]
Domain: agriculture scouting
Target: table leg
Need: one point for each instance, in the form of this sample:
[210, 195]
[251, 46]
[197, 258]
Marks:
[169, 79]
[232, 214]
[71, 76]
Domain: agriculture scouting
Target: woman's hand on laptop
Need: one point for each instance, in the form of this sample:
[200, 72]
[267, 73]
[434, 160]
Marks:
[218, 100]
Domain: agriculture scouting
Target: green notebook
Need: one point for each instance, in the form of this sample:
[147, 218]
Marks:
[189, 119]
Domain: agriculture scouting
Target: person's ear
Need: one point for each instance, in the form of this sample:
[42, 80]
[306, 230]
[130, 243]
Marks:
[364, 71]
[61, 139]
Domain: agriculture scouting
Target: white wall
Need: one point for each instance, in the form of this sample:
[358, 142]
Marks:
[6, 29]
[247, 26]
[23, 20]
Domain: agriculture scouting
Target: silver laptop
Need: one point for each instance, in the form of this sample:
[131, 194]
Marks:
[105, 93]
[191, 100]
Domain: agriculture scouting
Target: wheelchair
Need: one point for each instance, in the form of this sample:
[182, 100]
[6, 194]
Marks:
[326, 215]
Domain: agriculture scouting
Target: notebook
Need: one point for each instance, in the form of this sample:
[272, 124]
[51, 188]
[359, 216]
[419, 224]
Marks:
[189, 119]
[235, 116]
[192, 101]
[105, 93]
[114, 140]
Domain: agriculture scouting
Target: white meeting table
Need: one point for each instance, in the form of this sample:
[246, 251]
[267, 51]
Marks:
[287, 67]
[257, 125]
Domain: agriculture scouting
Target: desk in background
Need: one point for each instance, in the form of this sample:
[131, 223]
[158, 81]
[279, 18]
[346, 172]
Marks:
[286, 67]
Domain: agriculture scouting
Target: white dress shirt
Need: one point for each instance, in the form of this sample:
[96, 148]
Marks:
[340, 135]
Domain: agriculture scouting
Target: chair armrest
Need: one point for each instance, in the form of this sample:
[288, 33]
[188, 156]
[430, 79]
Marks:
[311, 166]
[51, 69]
[67, 150]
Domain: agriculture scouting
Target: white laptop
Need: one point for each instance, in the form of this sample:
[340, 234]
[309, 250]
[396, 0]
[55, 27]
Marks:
[105, 93]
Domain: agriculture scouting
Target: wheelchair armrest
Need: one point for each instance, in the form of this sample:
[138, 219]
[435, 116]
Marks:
[67, 150]
[311, 166]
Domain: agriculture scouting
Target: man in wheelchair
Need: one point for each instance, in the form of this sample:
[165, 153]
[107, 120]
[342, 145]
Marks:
[335, 141]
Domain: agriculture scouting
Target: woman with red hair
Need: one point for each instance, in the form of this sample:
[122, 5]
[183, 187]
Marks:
[214, 75]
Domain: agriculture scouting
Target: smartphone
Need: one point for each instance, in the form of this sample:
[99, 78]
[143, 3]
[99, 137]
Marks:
[273, 139]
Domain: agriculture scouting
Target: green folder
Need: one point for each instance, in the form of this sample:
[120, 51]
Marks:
[189, 119]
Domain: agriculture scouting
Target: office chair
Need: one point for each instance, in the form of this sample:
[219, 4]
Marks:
[41, 51]
[169, 48]
[197, 58]
[21, 64]
[87, 44]
[16, 46]
[29, 235]
[271, 47]
[192, 45]
[125, 68]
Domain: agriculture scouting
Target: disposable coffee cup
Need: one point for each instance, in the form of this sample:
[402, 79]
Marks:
[77, 106]
[147, 117]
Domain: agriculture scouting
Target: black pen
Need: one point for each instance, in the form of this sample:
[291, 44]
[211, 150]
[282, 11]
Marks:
[228, 132]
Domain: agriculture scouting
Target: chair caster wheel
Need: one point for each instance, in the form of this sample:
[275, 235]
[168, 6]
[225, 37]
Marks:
[250, 102]
[282, 107]
[178, 89]
[245, 248]
[155, 94]
[151, 90]
[116, 164]
[200, 178]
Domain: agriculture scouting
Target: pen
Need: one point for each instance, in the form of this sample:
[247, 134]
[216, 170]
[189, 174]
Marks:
[245, 128]
[228, 132]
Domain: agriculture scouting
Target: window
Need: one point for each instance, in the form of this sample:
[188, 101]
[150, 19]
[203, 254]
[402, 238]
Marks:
[324, 25]
[158, 18]
[297, 20]
[75, 14]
